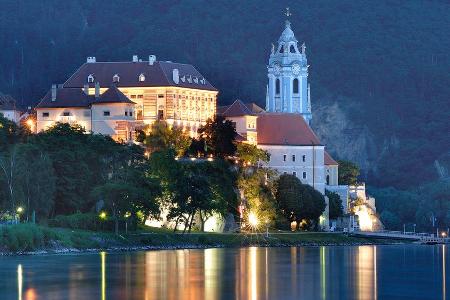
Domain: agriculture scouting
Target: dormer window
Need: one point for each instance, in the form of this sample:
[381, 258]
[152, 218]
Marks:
[90, 78]
[292, 49]
[116, 78]
[281, 49]
[141, 78]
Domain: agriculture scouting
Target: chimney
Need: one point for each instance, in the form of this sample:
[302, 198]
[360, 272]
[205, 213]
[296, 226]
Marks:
[53, 92]
[97, 90]
[176, 76]
[86, 89]
[91, 59]
[151, 59]
[135, 58]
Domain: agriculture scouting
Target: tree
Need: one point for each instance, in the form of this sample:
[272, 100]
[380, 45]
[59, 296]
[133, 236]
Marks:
[348, 172]
[37, 180]
[250, 154]
[164, 137]
[334, 204]
[219, 135]
[298, 201]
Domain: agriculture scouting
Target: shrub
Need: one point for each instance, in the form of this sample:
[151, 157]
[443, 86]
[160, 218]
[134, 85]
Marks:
[23, 237]
[88, 221]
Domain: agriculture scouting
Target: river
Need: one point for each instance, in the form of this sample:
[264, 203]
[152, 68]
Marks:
[356, 272]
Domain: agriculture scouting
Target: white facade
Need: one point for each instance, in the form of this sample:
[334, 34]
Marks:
[12, 115]
[47, 117]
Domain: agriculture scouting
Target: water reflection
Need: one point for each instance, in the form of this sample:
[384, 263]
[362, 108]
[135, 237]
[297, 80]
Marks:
[365, 272]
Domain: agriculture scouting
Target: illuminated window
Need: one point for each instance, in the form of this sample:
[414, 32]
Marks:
[140, 96]
[277, 86]
[133, 96]
[295, 87]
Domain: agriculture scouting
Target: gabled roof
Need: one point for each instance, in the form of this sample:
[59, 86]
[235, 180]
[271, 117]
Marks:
[75, 97]
[328, 160]
[158, 74]
[284, 129]
[7, 102]
[112, 95]
[239, 108]
[66, 97]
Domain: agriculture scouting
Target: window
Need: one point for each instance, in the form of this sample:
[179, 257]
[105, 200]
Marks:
[294, 173]
[140, 96]
[292, 49]
[285, 173]
[90, 78]
[304, 175]
[106, 113]
[284, 157]
[293, 157]
[116, 78]
[86, 113]
[282, 49]
[160, 96]
[303, 158]
[295, 86]
[66, 113]
[277, 86]
[126, 113]
[141, 78]
[131, 113]
[328, 179]
[45, 114]
[133, 96]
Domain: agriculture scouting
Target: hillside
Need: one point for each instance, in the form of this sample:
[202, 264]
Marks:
[379, 69]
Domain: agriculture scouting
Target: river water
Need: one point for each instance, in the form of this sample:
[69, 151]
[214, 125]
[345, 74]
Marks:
[357, 272]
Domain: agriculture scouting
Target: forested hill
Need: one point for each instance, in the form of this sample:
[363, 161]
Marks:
[379, 69]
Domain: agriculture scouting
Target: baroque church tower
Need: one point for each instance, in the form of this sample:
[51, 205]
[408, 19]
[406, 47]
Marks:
[288, 89]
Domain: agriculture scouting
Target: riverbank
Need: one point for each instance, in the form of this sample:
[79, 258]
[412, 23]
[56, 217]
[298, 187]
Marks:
[26, 239]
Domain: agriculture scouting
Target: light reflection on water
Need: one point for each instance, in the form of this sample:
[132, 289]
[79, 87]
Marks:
[364, 272]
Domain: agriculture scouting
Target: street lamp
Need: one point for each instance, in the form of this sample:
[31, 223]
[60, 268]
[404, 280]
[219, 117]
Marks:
[102, 215]
[127, 215]
[19, 211]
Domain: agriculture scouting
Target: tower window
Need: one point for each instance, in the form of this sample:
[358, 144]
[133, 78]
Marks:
[303, 158]
[304, 175]
[295, 85]
[293, 157]
[292, 49]
[90, 78]
[281, 49]
[277, 86]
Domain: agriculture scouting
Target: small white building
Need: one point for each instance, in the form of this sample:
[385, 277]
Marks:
[110, 113]
[9, 109]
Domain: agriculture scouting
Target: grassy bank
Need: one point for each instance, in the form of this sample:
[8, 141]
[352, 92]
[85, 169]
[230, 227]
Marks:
[25, 238]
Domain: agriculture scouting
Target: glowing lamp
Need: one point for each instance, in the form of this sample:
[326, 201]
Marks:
[20, 209]
[253, 219]
[102, 215]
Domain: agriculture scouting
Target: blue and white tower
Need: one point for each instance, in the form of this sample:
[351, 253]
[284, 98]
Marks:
[288, 89]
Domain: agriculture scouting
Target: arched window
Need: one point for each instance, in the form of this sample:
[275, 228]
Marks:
[277, 86]
[116, 78]
[90, 78]
[295, 86]
[282, 49]
[292, 49]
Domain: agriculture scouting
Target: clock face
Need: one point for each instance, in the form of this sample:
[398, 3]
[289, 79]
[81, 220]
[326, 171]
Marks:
[277, 69]
[296, 69]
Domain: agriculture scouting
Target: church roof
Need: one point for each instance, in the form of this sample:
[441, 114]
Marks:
[328, 160]
[287, 35]
[75, 97]
[239, 108]
[284, 129]
[159, 73]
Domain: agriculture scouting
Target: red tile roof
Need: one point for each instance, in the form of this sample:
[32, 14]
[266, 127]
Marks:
[328, 160]
[158, 74]
[284, 129]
